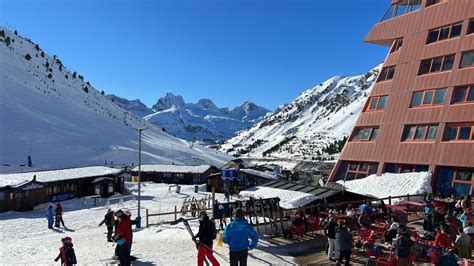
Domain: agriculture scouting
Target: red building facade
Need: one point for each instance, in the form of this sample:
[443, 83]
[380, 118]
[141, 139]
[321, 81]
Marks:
[420, 114]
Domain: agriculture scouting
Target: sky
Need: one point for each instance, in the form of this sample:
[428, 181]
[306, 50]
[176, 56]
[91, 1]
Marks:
[230, 51]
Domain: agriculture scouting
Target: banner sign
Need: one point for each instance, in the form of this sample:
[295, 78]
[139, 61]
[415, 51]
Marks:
[31, 186]
[62, 197]
[229, 174]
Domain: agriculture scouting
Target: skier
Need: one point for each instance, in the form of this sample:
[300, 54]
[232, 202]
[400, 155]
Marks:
[59, 215]
[123, 237]
[109, 222]
[66, 253]
[206, 234]
[236, 235]
[50, 216]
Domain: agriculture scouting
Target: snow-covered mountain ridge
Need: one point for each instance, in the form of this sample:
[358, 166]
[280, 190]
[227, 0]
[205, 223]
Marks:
[61, 120]
[311, 125]
[202, 121]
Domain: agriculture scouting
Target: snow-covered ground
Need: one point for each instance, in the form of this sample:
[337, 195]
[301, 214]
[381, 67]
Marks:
[389, 184]
[26, 240]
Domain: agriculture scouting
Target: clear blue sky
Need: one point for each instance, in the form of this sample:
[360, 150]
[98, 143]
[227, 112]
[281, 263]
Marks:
[227, 50]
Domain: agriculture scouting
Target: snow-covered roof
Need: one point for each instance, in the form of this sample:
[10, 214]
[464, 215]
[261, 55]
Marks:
[288, 199]
[57, 175]
[389, 184]
[98, 179]
[258, 173]
[171, 168]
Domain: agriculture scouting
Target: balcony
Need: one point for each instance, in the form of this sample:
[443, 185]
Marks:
[401, 7]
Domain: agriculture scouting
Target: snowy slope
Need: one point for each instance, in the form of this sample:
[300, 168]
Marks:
[203, 121]
[58, 117]
[26, 240]
[303, 128]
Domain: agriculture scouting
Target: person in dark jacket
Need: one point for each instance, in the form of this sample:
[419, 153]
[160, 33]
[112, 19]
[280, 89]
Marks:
[66, 253]
[330, 232]
[344, 243]
[206, 233]
[236, 235]
[428, 221]
[50, 216]
[402, 246]
[109, 221]
[59, 215]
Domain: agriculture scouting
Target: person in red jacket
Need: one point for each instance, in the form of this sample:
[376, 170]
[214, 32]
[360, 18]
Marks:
[66, 253]
[442, 239]
[123, 238]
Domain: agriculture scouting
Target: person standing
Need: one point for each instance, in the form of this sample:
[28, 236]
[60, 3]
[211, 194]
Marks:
[206, 235]
[344, 243]
[59, 215]
[66, 253]
[330, 232]
[123, 237]
[402, 246]
[50, 216]
[428, 221]
[109, 221]
[236, 235]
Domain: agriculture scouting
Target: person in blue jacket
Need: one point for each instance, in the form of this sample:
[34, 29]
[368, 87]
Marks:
[50, 216]
[237, 235]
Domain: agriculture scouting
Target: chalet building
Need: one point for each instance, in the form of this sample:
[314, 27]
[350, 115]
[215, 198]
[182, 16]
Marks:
[176, 174]
[23, 191]
[245, 178]
[420, 113]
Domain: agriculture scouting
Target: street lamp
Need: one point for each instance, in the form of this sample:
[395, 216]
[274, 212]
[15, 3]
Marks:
[140, 130]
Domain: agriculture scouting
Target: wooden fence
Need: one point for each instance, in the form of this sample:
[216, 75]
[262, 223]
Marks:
[278, 217]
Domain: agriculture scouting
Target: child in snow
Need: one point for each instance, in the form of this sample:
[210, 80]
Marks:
[59, 215]
[66, 253]
[50, 216]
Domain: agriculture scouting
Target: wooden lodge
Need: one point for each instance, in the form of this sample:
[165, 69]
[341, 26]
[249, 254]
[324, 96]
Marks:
[175, 174]
[23, 191]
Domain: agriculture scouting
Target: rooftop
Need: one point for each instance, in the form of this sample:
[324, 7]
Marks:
[171, 168]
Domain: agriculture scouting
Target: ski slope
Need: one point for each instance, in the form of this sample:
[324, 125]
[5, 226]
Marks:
[26, 240]
[58, 118]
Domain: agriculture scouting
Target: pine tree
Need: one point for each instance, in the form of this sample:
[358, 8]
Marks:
[74, 75]
[42, 54]
[37, 47]
[86, 89]
[46, 64]
[16, 32]
[102, 92]
[2, 33]
[50, 75]
[28, 57]
[8, 41]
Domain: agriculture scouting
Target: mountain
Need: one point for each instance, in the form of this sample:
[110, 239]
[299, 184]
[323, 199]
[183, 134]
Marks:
[313, 125]
[202, 121]
[135, 106]
[59, 118]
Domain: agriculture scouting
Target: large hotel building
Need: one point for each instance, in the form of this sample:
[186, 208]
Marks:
[420, 114]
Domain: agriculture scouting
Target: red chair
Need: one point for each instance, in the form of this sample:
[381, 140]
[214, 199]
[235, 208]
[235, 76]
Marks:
[298, 230]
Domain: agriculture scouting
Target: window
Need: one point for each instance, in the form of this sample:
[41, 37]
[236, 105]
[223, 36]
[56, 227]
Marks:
[405, 168]
[459, 132]
[397, 44]
[467, 59]
[470, 29]
[366, 134]
[432, 2]
[401, 7]
[387, 73]
[463, 94]
[437, 64]
[376, 103]
[420, 133]
[462, 181]
[445, 32]
[357, 170]
[428, 98]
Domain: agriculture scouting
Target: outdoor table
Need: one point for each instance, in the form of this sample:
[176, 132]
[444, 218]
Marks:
[414, 203]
